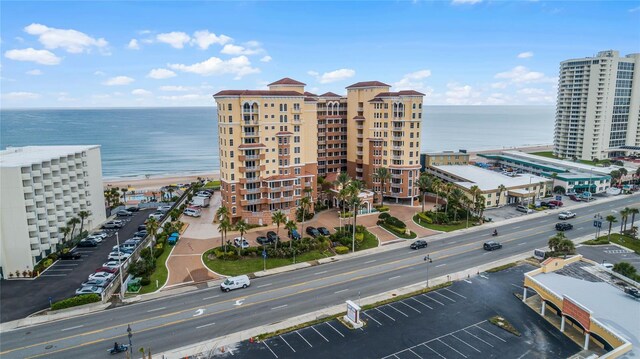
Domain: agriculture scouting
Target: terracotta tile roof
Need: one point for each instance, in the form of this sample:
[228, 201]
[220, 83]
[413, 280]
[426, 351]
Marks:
[256, 93]
[330, 94]
[359, 118]
[307, 93]
[400, 93]
[287, 81]
[310, 99]
[280, 177]
[368, 84]
[284, 133]
[331, 177]
[251, 145]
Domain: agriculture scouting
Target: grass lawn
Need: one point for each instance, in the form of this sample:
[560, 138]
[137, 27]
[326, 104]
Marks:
[212, 184]
[250, 265]
[625, 241]
[397, 232]
[441, 227]
[548, 154]
[160, 274]
[370, 241]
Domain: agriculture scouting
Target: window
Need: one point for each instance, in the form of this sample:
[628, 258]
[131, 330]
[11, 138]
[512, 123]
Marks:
[230, 119]
[233, 199]
[229, 107]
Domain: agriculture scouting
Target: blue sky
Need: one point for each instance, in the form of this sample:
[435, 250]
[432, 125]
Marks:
[461, 52]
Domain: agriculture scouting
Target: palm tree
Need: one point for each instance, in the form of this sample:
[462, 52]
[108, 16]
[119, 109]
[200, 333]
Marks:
[554, 175]
[624, 215]
[305, 202]
[616, 175]
[623, 172]
[65, 232]
[171, 190]
[456, 198]
[278, 218]
[382, 174]
[611, 219]
[124, 195]
[424, 184]
[633, 212]
[341, 183]
[475, 192]
[447, 187]
[501, 189]
[467, 202]
[221, 214]
[241, 226]
[554, 242]
[223, 228]
[290, 226]
[72, 222]
[83, 215]
[436, 186]
[355, 202]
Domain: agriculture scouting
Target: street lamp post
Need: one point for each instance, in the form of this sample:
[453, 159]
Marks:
[129, 334]
[427, 260]
[120, 268]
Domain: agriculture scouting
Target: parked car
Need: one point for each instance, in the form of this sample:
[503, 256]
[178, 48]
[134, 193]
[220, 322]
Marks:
[566, 215]
[575, 198]
[165, 208]
[70, 255]
[95, 282]
[101, 234]
[140, 234]
[112, 225]
[142, 227]
[556, 203]
[135, 241]
[324, 231]
[124, 247]
[563, 226]
[192, 212]
[156, 215]
[263, 240]
[312, 231]
[124, 213]
[87, 243]
[240, 242]
[294, 234]
[524, 209]
[235, 283]
[420, 243]
[96, 239]
[203, 194]
[133, 209]
[118, 255]
[101, 275]
[173, 238]
[607, 265]
[111, 264]
[272, 236]
[491, 246]
[108, 269]
[634, 292]
[89, 290]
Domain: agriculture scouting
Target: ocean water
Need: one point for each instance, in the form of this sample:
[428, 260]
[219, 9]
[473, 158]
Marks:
[164, 141]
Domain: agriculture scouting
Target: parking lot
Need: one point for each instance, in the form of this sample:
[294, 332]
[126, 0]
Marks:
[20, 298]
[448, 323]
[610, 253]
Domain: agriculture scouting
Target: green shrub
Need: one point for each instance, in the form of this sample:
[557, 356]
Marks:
[393, 221]
[145, 281]
[342, 250]
[359, 236]
[158, 250]
[384, 215]
[424, 218]
[382, 208]
[75, 301]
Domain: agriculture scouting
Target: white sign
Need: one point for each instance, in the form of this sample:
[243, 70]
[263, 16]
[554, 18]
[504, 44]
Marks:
[353, 312]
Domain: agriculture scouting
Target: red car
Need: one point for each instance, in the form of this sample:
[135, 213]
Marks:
[107, 269]
[556, 203]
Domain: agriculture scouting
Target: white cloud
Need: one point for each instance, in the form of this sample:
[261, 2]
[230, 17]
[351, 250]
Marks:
[141, 92]
[174, 88]
[499, 85]
[43, 57]
[21, 95]
[525, 55]
[537, 95]
[184, 97]
[72, 41]
[64, 97]
[204, 39]
[34, 72]
[266, 59]
[133, 45]
[332, 76]
[176, 39]
[118, 80]
[99, 73]
[238, 66]
[461, 2]
[497, 99]
[461, 95]
[412, 81]
[159, 74]
[231, 49]
[522, 75]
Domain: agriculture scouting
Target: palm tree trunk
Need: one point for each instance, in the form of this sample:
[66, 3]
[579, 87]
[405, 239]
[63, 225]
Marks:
[423, 199]
[353, 243]
[609, 236]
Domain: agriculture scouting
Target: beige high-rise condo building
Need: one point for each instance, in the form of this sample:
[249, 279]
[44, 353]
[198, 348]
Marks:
[275, 143]
[598, 107]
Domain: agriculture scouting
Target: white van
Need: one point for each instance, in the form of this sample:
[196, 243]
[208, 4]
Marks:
[231, 283]
[192, 212]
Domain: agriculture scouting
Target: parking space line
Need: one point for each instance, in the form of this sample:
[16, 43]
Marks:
[414, 353]
[320, 334]
[286, 343]
[428, 347]
[304, 339]
[60, 270]
[459, 295]
[372, 318]
[435, 300]
[452, 348]
[410, 306]
[329, 324]
[442, 295]
[517, 286]
[480, 339]
[421, 303]
[467, 344]
[385, 314]
[484, 330]
[390, 306]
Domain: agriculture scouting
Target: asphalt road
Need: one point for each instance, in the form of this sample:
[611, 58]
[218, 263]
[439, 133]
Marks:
[172, 322]
[20, 298]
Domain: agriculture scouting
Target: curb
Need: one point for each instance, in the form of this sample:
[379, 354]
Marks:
[54, 316]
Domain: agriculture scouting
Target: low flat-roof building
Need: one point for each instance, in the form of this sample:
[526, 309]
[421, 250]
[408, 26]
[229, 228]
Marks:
[520, 188]
[443, 158]
[587, 303]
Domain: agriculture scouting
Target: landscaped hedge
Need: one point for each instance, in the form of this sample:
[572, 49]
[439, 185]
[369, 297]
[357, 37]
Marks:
[383, 216]
[382, 208]
[341, 250]
[76, 301]
[393, 221]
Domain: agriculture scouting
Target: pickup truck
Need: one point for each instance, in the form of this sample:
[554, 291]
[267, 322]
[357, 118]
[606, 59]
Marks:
[566, 215]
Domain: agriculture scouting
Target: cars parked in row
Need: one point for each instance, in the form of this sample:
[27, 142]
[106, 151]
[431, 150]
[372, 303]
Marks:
[294, 234]
[89, 290]
[312, 231]
[101, 275]
[70, 255]
[272, 236]
[566, 215]
[563, 226]
[241, 242]
[524, 209]
[124, 213]
[87, 243]
[324, 231]
[192, 212]
[115, 224]
[263, 240]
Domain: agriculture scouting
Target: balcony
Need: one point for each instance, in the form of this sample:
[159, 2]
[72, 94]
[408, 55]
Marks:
[251, 134]
[398, 148]
[243, 158]
[32, 228]
[398, 128]
[359, 153]
[396, 138]
[359, 170]
[360, 127]
[252, 190]
[296, 110]
[396, 157]
[396, 175]
[255, 201]
[250, 180]
[31, 215]
[250, 122]
[26, 176]
[36, 173]
[29, 202]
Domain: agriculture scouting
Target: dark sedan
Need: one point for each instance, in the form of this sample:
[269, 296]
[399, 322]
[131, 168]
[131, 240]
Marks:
[418, 244]
[324, 231]
[312, 231]
[564, 226]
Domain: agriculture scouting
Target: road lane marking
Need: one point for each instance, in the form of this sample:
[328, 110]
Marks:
[421, 303]
[441, 265]
[329, 324]
[372, 318]
[385, 314]
[371, 261]
[287, 343]
[517, 227]
[522, 244]
[340, 291]
[396, 277]
[265, 344]
[280, 306]
[215, 296]
[323, 272]
[304, 338]
[467, 344]
[451, 348]
[459, 295]
[206, 325]
[392, 307]
[442, 295]
[320, 334]
[76, 327]
[155, 310]
[410, 306]
[264, 285]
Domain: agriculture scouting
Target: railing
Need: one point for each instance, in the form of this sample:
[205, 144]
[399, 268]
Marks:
[252, 179]
[254, 190]
[252, 157]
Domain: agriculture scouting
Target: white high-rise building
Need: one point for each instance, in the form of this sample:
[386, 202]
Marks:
[41, 188]
[598, 106]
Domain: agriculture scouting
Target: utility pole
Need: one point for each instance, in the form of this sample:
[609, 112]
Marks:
[427, 260]
[120, 268]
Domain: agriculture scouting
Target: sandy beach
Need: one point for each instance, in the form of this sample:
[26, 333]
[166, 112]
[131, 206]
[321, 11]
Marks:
[155, 182]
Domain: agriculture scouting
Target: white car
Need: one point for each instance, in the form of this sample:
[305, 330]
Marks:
[101, 275]
[607, 265]
[97, 239]
[89, 290]
[241, 242]
[156, 216]
[118, 256]
[102, 235]
[111, 264]
[566, 215]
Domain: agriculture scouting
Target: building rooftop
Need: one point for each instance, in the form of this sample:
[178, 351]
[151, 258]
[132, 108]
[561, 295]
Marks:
[287, 81]
[330, 94]
[559, 163]
[26, 156]
[368, 84]
[270, 93]
[487, 180]
[400, 93]
[446, 153]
